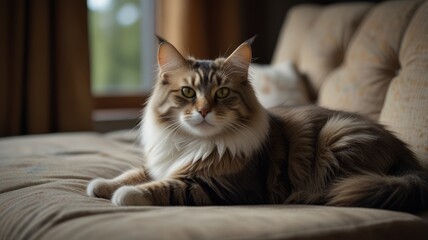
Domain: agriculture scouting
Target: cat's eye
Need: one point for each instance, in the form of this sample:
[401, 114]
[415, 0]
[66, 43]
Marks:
[188, 92]
[222, 92]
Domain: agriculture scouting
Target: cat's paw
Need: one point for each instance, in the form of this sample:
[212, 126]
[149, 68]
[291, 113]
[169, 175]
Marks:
[100, 187]
[131, 196]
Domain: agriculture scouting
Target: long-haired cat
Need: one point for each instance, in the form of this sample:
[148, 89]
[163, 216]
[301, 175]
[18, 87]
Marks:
[208, 141]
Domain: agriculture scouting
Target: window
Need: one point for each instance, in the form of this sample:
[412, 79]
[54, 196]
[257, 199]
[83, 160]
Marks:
[122, 47]
[121, 40]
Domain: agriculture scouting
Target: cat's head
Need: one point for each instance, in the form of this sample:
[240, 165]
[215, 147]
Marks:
[204, 98]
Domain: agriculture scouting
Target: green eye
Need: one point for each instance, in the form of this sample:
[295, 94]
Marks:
[222, 92]
[188, 92]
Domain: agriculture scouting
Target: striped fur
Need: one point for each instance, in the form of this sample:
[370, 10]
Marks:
[202, 148]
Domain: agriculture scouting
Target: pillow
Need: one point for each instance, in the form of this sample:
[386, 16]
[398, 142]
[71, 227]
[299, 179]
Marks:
[278, 84]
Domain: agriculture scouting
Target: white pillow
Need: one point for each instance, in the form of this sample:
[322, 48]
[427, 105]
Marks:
[278, 84]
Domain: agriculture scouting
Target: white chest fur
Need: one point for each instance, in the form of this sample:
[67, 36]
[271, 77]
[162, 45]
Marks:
[167, 151]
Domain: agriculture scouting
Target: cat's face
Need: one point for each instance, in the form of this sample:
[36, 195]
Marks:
[204, 98]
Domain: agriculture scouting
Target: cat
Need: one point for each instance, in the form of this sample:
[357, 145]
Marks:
[208, 141]
[279, 84]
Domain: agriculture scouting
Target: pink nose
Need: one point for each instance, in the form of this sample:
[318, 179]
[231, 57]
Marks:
[204, 112]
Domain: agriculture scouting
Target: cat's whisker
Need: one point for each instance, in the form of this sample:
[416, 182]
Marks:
[171, 129]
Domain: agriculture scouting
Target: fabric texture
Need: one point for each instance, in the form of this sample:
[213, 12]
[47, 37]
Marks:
[44, 67]
[295, 30]
[360, 85]
[326, 44]
[42, 196]
[405, 110]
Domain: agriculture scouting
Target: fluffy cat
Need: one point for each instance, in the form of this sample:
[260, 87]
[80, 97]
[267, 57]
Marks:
[279, 84]
[208, 141]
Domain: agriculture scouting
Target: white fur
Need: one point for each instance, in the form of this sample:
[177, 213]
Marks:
[96, 184]
[168, 151]
[200, 126]
[279, 84]
[130, 196]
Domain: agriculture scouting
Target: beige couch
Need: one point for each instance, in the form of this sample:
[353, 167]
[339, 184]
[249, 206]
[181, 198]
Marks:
[359, 57]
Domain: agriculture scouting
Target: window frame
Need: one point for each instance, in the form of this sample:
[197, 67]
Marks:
[119, 101]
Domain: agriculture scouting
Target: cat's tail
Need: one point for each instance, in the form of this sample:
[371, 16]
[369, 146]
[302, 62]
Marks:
[407, 192]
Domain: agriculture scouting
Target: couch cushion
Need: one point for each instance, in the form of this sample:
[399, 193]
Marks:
[361, 83]
[42, 196]
[405, 110]
[325, 46]
[316, 38]
[294, 31]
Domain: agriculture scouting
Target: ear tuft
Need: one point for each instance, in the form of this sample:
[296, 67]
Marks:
[169, 59]
[241, 57]
[160, 39]
[251, 40]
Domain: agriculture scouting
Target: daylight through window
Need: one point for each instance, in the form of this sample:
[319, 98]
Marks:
[119, 31]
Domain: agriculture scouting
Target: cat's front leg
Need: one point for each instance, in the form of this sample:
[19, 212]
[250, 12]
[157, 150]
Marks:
[104, 188]
[162, 193]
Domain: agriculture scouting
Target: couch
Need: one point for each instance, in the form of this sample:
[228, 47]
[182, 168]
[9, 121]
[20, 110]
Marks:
[360, 57]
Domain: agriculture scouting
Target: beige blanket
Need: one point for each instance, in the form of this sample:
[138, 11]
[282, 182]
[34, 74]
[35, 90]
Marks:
[42, 196]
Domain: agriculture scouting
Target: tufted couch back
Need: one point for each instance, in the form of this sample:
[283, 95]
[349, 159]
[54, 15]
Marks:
[365, 58]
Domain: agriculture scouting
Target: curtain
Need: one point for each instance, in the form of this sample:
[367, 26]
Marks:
[210, 28]
[200, 28]
[44, 67]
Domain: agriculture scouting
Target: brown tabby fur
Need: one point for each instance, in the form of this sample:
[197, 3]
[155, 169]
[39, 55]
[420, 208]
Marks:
[307, 155]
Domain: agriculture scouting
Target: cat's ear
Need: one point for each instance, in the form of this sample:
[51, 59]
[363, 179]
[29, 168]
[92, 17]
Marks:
[241, 57]
[169, 59]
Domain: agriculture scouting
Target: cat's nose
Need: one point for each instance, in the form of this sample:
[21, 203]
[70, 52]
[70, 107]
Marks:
[204, 112]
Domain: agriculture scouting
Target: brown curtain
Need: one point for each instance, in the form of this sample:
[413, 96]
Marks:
[209, 28]
[200, 28]
[44, 67]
